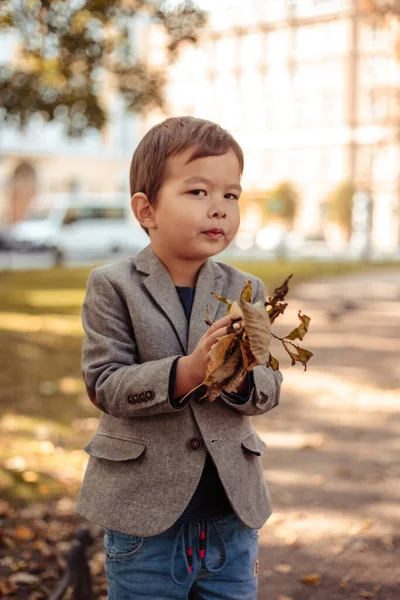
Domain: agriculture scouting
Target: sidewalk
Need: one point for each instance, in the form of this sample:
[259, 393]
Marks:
[332, 458]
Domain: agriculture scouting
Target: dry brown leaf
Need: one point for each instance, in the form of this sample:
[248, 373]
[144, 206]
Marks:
[301, 330]
[273, 363]
[249, 362]
[297, 354]
[283, 568]
[313, 579]
[233, 384]
[24, 578]
[221, 299]
[23, 533]
[235, 311]
[258, 328]
[43, 548]
[246, 346]
[344, 584]
[366, 594]
[247, 292]
[6, 587]
[217, 355]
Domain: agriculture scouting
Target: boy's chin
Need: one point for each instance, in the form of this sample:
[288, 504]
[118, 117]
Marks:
[217, 248]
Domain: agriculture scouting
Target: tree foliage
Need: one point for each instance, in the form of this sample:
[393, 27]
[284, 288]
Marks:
[382, 8]
[338, 206]
[282, 203]
[68, 52]
[387, 14]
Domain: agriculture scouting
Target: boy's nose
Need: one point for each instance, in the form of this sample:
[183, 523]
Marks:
[219, 214]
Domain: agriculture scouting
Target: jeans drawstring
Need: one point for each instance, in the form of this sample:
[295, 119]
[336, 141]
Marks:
[204, 528]
[187, 557]
[223, 545]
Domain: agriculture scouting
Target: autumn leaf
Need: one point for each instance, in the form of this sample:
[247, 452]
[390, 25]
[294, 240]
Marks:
[281, 292]
[217, 356]
[313, 579]
[249, 362]
[302, 355]
[301, 330]
[273, 363]
[276, 310]
[235, 311]
[232, 363]
[246, 344]
[283, 568]
[23, 533]
[224, 300]
[258, 328]
[247, 292]
[233, 384]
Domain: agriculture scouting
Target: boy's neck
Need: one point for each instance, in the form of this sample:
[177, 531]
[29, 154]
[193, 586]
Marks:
[182, 272]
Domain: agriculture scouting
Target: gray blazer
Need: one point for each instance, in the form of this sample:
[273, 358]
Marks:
[146, 457]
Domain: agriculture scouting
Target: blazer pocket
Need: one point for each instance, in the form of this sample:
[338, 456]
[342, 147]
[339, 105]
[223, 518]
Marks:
[254, 444]
[112, 448]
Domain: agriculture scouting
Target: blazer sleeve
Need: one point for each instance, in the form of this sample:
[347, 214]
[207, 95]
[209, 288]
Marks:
[266, 389]
[115, 382]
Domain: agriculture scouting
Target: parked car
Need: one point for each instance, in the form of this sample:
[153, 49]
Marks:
[80, 228]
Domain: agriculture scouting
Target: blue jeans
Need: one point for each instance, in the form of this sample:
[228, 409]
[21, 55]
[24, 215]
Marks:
[214, 559]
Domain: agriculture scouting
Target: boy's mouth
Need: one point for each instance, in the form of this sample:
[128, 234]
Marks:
[215, 234]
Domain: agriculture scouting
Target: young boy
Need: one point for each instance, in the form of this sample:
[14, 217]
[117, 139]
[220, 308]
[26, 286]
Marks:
[177, 485]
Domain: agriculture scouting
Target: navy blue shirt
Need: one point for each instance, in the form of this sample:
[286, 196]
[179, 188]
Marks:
[209, 499]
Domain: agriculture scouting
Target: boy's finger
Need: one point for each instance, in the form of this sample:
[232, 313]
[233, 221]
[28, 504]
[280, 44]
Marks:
[218, 324]
[215, 336]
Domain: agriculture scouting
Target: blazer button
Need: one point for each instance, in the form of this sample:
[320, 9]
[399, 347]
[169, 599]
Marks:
[149, 394]
[195, 443]
[133, 399]
[141, 397]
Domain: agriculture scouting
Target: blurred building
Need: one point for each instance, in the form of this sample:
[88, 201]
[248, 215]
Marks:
[43, 160]
[310, 90]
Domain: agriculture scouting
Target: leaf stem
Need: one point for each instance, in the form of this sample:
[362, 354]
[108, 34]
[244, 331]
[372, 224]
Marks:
[277, 337]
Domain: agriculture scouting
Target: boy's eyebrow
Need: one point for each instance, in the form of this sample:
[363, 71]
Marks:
[198, 179]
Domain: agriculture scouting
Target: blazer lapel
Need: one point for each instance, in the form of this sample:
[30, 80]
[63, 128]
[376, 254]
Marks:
[162, 289]
[209, 281]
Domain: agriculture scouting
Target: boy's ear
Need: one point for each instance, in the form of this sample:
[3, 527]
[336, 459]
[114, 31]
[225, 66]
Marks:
[143, 210]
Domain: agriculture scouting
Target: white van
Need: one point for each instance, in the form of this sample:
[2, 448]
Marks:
[80, 227]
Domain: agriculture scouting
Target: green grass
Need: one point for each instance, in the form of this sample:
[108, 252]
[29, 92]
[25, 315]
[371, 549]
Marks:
[46, 417]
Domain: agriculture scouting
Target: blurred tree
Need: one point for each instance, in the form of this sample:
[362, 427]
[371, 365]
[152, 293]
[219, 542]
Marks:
[338, 207]
[67, 49]
[387, 14]
[281, 203]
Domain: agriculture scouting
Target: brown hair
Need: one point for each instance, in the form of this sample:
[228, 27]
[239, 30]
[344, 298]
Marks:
[169, 138]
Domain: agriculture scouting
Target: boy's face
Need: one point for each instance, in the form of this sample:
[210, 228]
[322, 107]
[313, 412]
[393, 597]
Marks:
[197, 211]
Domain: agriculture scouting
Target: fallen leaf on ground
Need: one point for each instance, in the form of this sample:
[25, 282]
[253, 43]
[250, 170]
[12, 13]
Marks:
[363, 527]
[366, 594]
[23, 578]
[6, 587]
[344, 584]
[24, 533]
[312, 579]
[283, 568]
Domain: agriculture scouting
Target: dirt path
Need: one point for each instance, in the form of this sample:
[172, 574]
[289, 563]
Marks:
[332, 460]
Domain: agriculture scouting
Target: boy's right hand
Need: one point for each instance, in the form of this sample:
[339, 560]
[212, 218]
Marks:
[191, 369]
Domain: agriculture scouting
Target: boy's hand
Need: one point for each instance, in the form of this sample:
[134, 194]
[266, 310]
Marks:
[191, 369]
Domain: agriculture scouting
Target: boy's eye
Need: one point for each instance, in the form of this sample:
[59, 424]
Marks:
[232, 196]
[198, 193]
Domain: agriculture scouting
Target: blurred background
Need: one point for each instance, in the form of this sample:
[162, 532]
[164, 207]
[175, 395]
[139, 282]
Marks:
[311, 90]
